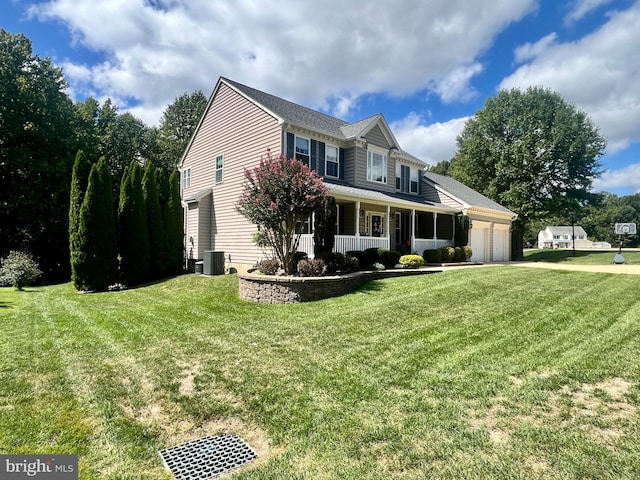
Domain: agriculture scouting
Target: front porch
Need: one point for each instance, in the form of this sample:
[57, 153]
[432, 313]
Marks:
[364, 225]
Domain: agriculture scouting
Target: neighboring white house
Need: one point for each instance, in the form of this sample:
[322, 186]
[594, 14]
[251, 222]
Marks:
[562, 237]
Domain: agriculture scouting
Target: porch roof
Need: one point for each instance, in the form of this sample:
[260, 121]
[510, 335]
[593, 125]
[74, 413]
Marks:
[342, 190]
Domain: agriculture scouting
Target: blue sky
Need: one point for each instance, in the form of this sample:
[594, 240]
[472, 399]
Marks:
[427, 65]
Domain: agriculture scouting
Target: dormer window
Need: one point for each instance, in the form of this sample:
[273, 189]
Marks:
[376, 166]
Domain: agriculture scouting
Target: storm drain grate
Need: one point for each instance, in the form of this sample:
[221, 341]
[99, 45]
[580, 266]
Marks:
[207, 457]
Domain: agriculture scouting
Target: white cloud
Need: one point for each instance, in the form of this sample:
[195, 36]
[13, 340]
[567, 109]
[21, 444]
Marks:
[627, 178]
[431, 143]
[581, 8]
[327, 53]
[529, 51]
[600, 74]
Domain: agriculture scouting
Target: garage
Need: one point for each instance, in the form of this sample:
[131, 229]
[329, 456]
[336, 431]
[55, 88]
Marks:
[479, 241]
[500, 243]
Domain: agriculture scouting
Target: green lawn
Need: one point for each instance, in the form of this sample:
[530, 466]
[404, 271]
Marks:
[494, 372]
[582, 257]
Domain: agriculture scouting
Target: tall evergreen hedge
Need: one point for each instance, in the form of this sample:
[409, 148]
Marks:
[133, 232]
[155, 224]
[176, 240]
[96, 265]
[79, 181]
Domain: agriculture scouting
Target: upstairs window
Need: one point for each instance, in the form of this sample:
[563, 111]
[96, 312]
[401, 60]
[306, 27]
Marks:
[332, 161]
[219, 168]
[302, 150]
[414, 180]
[406, 179]
[376, 166]
[186, 178]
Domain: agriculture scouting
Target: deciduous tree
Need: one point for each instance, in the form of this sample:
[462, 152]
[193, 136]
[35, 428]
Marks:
[277, 196]
[530, 151]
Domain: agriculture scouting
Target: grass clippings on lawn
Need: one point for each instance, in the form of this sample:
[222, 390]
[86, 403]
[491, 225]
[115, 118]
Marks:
[496, 372]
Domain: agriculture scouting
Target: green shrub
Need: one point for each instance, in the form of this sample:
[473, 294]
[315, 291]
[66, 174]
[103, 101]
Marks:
[371, 256]
[411, 261]
[458, 255]
[312, 267]
[377, 266]
[19, 270]
[448, 254]
[297, 256]
[433, 255]
[269, 267]
[389, 258]
[467, 252]
[336, 262]
[351, 264]
[359, 256]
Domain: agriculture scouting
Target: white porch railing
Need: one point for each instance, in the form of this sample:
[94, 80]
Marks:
[422, 244]
[345, 243]
[306, 244]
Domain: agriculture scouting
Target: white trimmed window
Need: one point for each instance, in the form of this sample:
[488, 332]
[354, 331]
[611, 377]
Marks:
[219, 168]
[302, 149]
[186, 178]
[376, 166]
[414, 180]
[332, 159]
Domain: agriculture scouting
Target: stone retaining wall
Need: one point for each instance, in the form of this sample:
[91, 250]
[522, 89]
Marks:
[281, 289]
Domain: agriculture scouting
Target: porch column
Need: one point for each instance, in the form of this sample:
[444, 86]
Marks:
[435, 232]
[386, 227]
[413, 229]
[358, 225]
[453, 235]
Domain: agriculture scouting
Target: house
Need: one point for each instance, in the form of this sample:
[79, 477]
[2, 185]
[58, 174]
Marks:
[383, 195]
[562, 237]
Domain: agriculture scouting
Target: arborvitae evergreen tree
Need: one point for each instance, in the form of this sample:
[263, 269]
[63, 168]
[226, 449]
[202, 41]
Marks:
[133, 232]
[176, 241]
[108, 240]
[324, 236]
[154, 222]
[96, 266]
[162, 184]
[79, 180]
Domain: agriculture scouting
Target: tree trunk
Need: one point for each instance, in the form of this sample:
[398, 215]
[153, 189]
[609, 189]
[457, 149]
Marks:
[517, 239]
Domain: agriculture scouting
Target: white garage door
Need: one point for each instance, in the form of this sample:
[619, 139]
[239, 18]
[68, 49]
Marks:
[479, 235]
[499, 246]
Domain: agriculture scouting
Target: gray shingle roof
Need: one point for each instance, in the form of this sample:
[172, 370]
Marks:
[292, 112]
[354, 130]
[337, 187]
[464, 193]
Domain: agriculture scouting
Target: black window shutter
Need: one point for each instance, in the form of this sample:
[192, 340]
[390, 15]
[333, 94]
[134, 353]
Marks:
[341, 173]
[290, 145]
[313, 164]
[321, 159]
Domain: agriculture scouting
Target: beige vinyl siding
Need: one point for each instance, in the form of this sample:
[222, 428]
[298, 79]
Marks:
[242, 132]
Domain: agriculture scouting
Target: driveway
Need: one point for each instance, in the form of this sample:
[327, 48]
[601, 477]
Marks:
[611, 268]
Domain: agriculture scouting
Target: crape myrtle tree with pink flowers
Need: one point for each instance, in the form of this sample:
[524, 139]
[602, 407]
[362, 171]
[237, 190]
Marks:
[279, 195]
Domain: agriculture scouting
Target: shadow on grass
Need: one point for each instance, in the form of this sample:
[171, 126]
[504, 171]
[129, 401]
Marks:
[557, 255]
[6, 304]
[372, 286]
